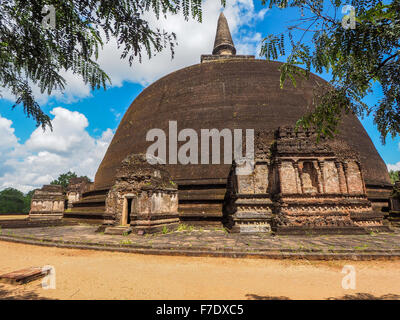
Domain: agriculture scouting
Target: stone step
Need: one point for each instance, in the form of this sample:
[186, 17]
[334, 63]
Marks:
[200, 209]
[118, 230]
[189, 183]
[216, 194]
[88, 216]
[84, 212]
[98, 209]
[101, 192]
[97, 197]
[89, 203]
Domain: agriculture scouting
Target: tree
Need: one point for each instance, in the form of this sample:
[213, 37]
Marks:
[27, 201]
[64, 179]
[394, 176]
[361, 51]
[31, 53]
[13, 201]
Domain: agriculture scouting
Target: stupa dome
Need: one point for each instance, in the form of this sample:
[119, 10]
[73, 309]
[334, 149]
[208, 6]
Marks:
[224, 91]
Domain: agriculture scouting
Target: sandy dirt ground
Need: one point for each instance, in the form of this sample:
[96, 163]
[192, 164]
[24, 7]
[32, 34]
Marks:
[13, 217]
[84, 274]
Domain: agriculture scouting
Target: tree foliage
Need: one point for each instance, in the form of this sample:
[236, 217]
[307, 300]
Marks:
[362, 60]
[14, 201]
[31, 54]
[394, 176]
[64, 179]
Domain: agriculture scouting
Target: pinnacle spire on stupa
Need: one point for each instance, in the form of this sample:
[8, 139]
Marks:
[223, 44]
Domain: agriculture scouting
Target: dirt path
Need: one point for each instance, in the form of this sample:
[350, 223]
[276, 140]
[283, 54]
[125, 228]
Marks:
[14, 217]
[83, 274]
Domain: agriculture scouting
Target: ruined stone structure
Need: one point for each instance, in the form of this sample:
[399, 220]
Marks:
[300, 186]
[248, 204]
[232, 91]
[143, 196]
[75, 189]
[394, 216]
[47, 203]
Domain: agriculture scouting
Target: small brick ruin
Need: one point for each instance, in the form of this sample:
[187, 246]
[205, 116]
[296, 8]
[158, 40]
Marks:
[75, 189]
[394, 208]
[48, 203]
[143, 197]
[299, 185]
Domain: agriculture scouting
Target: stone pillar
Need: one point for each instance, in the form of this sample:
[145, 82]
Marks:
[279, 168]
[342, 177]
[345, 172]
[319, 177]
[322, 175]
[297, 173]
[362, 177]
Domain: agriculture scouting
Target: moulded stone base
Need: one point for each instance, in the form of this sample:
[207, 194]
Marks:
[378, 229]
[251, 222]
[154, 226]
[295, 230]
[118, 230]
[45, 216]
[251, 227]
[394, 218]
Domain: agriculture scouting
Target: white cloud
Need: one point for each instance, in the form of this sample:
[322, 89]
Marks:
[69, 146]
[74, 90]
[193, 38]
[8, 139]
[47, 154]
[394, 167]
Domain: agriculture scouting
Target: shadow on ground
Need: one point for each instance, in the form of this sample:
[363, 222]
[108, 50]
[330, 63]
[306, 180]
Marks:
[356, 296]
[257, 297]
[366, 296]
[18, 292]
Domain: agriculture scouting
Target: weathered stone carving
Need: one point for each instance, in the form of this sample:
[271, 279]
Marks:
[143, 196]
[47, 203]
[301, 185]
[76, 187]
[252, 201]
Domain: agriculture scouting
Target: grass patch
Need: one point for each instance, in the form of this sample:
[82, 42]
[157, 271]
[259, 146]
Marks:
[185, 227]
[363, 247]
[165, 230]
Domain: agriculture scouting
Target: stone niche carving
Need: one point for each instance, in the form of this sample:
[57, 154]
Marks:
[47, 203]
[75, 189]
[252, 205]
[143, 197]
[299, 185]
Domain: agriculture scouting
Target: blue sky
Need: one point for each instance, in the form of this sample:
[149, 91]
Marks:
[85, 120]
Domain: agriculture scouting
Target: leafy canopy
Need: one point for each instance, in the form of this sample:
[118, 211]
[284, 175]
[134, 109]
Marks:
[362, 60]
[394, 176]
[31, 54]
[14, 201]
[64, 179]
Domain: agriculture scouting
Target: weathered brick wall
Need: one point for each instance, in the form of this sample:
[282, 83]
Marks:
[47, 202]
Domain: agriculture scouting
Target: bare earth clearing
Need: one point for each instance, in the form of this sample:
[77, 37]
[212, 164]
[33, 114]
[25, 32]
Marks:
[13, 216]
[84, 274]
